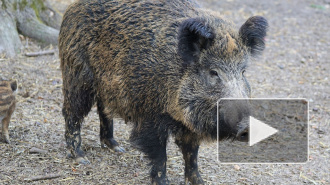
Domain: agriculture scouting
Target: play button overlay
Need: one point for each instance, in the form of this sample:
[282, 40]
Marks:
[277, 131]
[259, 131]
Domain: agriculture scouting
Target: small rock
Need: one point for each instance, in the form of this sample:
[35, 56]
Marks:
[136, 174]
[21, 165]
[280, 66]
[26, 94]
[35, 150]
[236, 167]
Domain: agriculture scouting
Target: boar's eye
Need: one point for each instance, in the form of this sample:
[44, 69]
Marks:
[213, 73]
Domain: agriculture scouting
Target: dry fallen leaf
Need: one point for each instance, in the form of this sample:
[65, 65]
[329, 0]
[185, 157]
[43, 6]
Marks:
[73, 169]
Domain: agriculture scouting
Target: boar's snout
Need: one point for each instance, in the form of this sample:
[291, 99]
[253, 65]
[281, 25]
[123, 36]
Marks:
[234, 118]
[243, 131]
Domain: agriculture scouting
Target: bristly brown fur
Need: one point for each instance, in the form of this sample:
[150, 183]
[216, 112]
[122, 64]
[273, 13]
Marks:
[159, 64]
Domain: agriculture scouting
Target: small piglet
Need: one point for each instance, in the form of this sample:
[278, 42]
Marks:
[7, 105]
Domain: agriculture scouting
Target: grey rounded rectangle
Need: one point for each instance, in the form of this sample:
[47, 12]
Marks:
[288, 145]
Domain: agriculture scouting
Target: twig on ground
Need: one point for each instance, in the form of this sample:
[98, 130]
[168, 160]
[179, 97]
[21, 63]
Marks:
[43, 177]
[306, 178]
[34, 54]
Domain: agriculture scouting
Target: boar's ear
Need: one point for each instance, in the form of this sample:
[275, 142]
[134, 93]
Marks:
[194, 36]
[253, 33]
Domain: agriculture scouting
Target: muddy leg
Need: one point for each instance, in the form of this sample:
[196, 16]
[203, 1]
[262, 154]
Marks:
[74, 113]
[158, 169]
[152, 142]
[79, 97]
[190, 154]
[106, 130]
[73, 138]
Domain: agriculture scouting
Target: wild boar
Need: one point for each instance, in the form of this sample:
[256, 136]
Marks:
[161, 65]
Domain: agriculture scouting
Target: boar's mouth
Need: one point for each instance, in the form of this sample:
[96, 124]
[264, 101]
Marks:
[240, 133]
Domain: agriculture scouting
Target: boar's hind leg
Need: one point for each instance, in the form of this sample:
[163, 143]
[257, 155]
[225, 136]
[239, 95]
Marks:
[151, 139]
[106, 130]
[73, 138]
[189, 148]
[79, 98]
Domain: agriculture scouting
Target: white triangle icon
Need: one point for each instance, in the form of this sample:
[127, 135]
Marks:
[259, 131]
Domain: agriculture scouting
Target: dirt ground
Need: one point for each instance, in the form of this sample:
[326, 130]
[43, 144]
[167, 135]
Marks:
[295, 64]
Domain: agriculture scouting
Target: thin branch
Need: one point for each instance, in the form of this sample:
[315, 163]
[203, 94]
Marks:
[34, 54]
[43, 177]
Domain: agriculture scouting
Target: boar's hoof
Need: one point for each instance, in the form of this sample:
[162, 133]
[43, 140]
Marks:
[111, 143]
[6, 138]
[82, 160]
[160, 181]
[119, 149]
[78, 160]
[194, 179]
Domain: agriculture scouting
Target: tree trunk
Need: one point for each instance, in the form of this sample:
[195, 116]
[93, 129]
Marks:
[31, 18]
[51, 17]
[29, 25]
[10, 43]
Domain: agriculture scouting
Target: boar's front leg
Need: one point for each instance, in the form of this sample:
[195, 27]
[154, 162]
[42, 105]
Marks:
[158, 169]
[151, 139]
[106, 130]
[189, 147]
